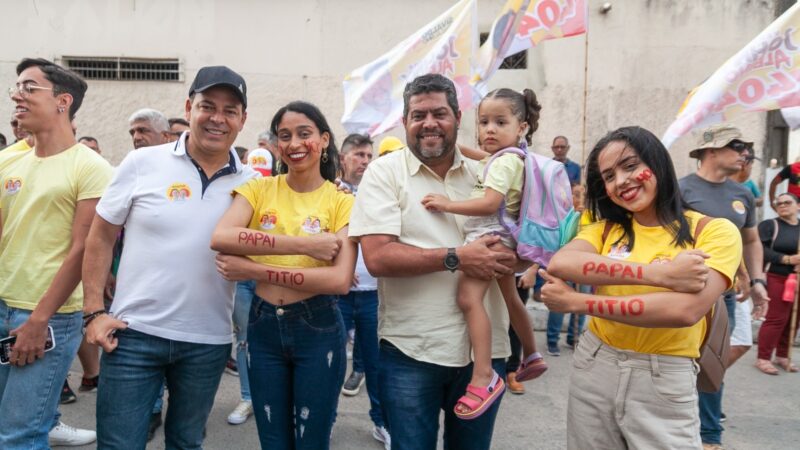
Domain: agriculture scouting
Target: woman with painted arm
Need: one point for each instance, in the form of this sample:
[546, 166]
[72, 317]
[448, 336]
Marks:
[296, 336]
[659, 268]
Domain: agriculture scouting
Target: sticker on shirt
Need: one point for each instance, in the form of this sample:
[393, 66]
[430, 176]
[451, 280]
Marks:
[311, 225]
[178, 192]
[738, 206]
[269, 219]
[12, 186]
[619, 251]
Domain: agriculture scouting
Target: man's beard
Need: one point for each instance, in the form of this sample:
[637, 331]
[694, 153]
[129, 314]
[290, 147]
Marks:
[434, 153]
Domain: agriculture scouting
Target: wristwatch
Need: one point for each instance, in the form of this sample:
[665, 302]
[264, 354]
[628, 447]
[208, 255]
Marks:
[760, 281]
[451, 261]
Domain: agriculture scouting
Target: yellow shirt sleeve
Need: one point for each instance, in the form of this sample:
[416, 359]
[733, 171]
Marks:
[505, 173]
[344, 205]
[593, 234]
[94, 177]
[250, 191]
[723, 242]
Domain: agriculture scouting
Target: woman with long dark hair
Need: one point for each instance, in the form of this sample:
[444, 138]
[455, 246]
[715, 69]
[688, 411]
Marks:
[658, 267]
[296, 336]
[779, 237]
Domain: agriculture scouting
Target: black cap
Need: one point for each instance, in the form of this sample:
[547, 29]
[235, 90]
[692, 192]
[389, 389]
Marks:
[212, 76]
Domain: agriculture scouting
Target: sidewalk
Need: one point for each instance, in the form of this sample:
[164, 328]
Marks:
[763, 413]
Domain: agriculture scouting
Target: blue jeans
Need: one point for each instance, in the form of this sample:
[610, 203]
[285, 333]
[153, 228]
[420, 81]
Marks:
[711, 402]
[556, 320]
[245, 291]
[361, 307]
[131, 376]
[413, 393]
[29, 395]
[297, 354]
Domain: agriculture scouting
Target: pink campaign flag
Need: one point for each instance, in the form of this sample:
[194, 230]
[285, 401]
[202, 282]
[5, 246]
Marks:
[523, 24]
[763, 76]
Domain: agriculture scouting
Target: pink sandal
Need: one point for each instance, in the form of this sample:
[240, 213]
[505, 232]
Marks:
[487, 395]
[533, 366]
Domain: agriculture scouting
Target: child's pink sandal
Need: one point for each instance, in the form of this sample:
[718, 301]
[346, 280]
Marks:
[487, 395]
[533, 366]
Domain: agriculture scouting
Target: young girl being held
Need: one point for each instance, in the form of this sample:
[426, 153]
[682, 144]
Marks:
[506, 118]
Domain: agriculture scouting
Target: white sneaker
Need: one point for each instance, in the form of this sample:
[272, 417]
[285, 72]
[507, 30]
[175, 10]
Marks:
[64, 434]
[240, 414]
[382, 435]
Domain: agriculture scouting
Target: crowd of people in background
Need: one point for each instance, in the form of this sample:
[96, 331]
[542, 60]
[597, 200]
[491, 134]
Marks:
[195, 257]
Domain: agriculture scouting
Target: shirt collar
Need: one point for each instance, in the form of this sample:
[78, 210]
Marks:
[180, 150]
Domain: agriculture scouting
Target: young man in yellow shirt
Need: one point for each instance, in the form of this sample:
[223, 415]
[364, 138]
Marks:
[47, 201]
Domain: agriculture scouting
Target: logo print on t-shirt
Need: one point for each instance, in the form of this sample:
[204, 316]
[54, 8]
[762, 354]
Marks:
[619, 251]
[178, 192]
[311, 225]
[12, 185]
[738, 206]
[268, 219]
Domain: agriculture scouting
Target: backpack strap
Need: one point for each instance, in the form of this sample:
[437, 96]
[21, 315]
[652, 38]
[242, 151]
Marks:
[607, 230]
[510, 227]
[772, 242]
[699, 228]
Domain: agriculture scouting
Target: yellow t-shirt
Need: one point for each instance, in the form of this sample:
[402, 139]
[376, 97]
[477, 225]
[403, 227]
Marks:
[506, 177]
[720, 239]
[38, 197]
[19, 146]
[279, 210]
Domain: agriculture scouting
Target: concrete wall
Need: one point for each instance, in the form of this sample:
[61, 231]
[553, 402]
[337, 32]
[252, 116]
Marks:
[644, 56]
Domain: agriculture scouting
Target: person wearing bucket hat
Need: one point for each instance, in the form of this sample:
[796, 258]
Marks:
[723, 151]
[168, 197]
[719, 137]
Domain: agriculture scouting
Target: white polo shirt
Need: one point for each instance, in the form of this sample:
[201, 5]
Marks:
[419, 315]
[167, 283]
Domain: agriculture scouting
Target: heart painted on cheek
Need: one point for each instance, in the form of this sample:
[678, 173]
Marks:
[645, 175]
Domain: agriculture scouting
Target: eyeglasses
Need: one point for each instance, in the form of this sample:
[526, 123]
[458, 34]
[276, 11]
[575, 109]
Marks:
[785, 203]
[558, 147]
[25, 89]
[739, 146]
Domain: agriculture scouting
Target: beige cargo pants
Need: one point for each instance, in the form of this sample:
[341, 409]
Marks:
[621, 399]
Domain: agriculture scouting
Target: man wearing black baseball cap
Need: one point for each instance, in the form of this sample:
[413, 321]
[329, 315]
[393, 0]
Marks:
[171, 315]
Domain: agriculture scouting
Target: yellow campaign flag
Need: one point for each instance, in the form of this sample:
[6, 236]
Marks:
[763, 76]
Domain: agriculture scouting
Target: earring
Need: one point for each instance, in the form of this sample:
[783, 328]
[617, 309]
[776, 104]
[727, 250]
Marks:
[61, 109]
[325, 157]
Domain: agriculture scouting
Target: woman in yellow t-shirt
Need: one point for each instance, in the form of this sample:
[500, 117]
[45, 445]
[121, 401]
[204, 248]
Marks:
[633, 383]
[295, 335]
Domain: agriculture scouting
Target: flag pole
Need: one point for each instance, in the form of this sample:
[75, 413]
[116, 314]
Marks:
[585, 92]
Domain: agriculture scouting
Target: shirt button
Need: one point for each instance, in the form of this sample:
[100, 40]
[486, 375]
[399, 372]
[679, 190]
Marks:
[280, 311]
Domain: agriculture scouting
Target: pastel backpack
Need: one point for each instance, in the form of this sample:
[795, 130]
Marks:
[547, 217]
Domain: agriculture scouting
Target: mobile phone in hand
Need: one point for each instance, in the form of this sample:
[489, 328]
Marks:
[7, 344]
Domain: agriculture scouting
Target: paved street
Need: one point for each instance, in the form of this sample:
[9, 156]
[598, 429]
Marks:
[763, 413]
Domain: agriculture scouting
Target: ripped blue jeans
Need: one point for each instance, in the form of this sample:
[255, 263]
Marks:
[297, 365]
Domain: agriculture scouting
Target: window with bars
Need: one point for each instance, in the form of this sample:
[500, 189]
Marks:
[516, 61]
[125, 69]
